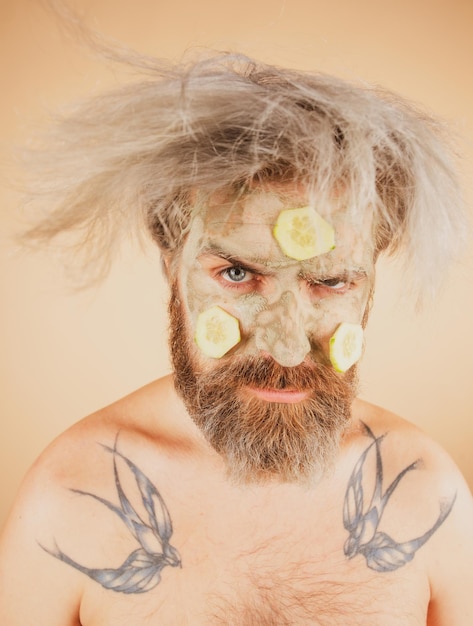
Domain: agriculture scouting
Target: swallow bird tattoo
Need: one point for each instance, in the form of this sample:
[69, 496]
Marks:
[141, 571]
[382, 553]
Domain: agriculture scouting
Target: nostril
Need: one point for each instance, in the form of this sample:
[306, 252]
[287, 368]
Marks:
[289, 358]
[286, 350]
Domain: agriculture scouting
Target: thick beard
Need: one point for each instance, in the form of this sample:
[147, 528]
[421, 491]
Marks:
[259, 440]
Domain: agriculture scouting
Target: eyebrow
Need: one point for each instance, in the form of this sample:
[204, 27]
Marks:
[216, 250]
[259, 265]
[344, 274]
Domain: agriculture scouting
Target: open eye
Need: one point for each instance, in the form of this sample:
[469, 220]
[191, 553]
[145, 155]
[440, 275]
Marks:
[236, 274]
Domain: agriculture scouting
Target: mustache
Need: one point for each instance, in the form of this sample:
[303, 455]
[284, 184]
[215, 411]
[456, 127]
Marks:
[264, 372]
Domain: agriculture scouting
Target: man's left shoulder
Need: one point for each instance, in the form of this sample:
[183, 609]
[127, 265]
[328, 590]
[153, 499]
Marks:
[400, 444]
[420, 505]
[416, 478]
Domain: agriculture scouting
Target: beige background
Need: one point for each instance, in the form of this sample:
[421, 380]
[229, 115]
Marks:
[62, 355]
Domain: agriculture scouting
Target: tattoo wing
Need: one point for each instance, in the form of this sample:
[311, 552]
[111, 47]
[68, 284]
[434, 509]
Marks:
[141, 571]
[381, 552]
[386, 555]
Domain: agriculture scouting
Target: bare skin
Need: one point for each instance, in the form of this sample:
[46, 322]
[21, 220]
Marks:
[247, 554]
[130, 517]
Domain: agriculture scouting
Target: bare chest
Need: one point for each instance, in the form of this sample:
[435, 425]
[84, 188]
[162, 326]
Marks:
[286, 578]
[204, 552]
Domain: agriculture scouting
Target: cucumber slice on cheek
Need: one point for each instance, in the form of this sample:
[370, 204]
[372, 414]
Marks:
[216, 332]
[346, 346]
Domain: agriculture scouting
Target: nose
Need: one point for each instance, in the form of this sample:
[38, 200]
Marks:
[281, 331]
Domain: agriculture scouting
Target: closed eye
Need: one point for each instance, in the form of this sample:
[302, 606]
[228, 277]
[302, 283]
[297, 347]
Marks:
[335, 285]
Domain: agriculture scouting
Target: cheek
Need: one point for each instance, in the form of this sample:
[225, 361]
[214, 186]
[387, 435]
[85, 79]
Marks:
[342, 309]
[196, 293]
[200, 296]
[327, 316]
[216, 330]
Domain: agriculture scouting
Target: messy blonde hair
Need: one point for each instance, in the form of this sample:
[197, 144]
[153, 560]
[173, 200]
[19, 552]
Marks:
[132, 157]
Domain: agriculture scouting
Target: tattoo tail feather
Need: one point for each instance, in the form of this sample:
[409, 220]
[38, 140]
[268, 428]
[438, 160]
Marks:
[138, 574]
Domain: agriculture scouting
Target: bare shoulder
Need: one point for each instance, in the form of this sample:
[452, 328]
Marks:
[407, 442]
[49, 512]
[425, 504]
[150, 414]
[400, 445]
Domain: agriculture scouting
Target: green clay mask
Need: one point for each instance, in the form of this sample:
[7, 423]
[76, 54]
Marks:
[261, 299]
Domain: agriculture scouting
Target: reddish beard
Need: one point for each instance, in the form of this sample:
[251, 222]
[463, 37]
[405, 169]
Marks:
[259, 439]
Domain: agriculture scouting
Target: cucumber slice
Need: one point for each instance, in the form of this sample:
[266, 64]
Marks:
[346, 346]
[303, 233]
[216, 332]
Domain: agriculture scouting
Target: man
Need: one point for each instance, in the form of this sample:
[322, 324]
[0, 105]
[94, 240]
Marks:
[251, 487]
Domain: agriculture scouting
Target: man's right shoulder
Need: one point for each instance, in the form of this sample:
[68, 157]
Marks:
[32, 588]
[65, 493]
[150, 417]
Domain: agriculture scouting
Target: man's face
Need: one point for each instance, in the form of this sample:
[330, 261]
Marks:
[273, 405]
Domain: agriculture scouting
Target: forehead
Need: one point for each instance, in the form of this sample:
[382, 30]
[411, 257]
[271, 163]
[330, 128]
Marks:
[243, 226]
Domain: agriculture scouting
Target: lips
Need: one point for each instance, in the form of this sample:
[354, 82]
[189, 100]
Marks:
[286, 396]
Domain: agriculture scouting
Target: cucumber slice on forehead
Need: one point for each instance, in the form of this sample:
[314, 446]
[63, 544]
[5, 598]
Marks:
[303, 234]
